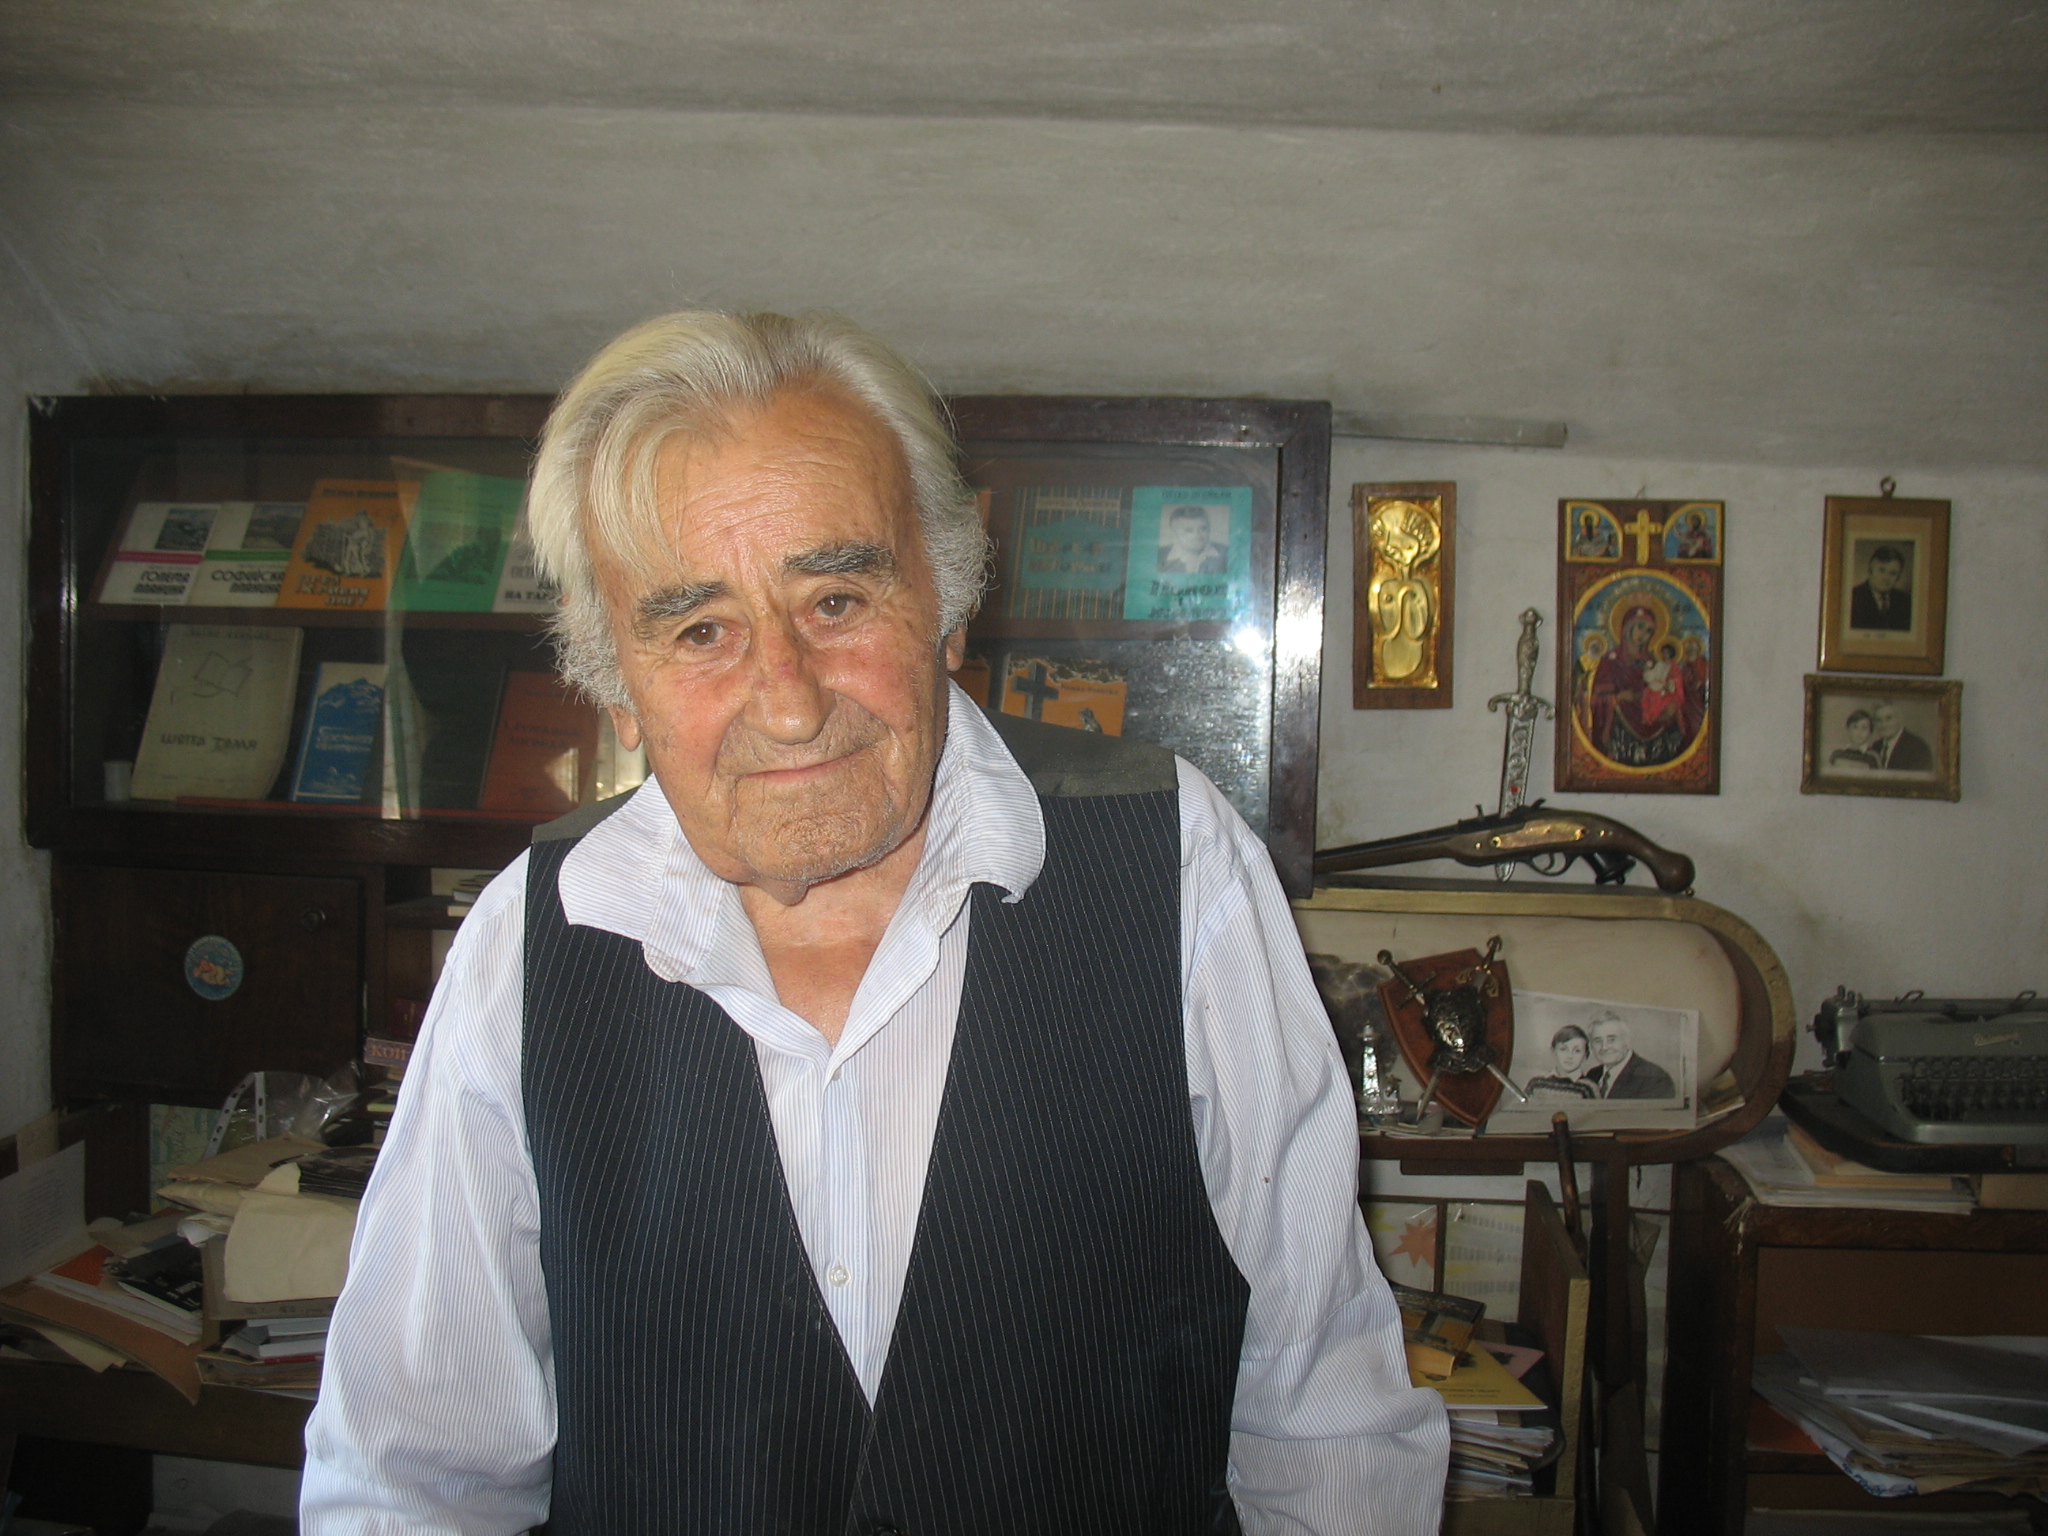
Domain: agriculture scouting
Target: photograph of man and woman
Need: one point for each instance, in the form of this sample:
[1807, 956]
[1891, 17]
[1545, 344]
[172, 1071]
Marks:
[1875, 735]
[1622, 1065]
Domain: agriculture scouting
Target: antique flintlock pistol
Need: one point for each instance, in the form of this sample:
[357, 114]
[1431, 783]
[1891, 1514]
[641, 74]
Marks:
[1524, 835]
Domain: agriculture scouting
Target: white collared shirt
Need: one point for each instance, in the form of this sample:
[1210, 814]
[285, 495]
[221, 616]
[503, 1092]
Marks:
[437, 1409]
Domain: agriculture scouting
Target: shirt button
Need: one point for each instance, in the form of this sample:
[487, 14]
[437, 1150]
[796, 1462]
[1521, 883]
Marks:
[837, 1274]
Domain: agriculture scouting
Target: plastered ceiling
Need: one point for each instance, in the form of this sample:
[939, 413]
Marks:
[1732, 67]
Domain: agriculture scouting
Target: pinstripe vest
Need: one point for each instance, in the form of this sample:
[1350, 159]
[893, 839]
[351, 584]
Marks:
[1066, 1349]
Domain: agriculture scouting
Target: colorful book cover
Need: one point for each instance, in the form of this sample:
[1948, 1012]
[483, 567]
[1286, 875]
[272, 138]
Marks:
[1190, 554]
[456, 542]
[245, 558]
[1084, 695]
[340, 739]
[523, 589]
[348, 545]
[159, 553]
[220, 718]
[545, 750]
[1068, 552]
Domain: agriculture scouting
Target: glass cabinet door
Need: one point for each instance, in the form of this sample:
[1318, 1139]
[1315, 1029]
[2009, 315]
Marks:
[313, 627]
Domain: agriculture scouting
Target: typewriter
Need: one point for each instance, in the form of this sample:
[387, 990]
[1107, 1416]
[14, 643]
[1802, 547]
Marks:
[1933, 1073]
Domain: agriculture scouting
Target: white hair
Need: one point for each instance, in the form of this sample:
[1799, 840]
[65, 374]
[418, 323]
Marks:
[691, 372]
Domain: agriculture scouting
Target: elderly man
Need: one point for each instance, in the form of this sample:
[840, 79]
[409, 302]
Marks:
[876, 1123]
[1618, 1071]
[1894, 747]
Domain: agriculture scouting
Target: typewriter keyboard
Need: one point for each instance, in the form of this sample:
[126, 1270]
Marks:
[1974, 1089]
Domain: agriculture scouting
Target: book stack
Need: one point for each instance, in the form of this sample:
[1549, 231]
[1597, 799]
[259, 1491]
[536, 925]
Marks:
[1913, 1414]
[275, 1354]
[132, 1296]
[157, 1285]
[1784, 1166]
[1497, 1439]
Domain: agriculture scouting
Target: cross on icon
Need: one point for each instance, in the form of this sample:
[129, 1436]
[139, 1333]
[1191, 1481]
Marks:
[1037, 687]
[1642, 528]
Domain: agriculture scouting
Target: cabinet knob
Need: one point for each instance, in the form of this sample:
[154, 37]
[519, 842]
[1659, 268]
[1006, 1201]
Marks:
[312, 918]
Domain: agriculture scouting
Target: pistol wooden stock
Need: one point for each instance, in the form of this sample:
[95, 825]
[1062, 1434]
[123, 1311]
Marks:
[1519, 836]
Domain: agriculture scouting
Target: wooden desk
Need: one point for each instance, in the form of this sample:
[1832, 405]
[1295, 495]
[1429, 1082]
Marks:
[137, 1410]
[1740, 1270]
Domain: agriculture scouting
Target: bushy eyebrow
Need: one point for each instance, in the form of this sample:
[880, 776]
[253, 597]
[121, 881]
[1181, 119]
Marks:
[667, 605]
[852, 557]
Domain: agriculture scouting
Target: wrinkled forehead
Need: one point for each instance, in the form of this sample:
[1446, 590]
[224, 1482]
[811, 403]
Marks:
[808, 469]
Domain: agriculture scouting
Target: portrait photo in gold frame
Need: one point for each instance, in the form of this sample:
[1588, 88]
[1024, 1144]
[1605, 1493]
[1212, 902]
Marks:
[1883, 736]
[1884, 585]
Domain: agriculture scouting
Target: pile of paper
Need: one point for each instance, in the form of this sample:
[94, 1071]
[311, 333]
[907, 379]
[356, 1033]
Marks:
[1496, 1443]
[1908, 1413]
[1494, 1454]
[1778, 1175]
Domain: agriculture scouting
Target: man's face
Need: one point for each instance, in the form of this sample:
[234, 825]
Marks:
[1885, 574]
[1190, 533]
[785, 669]
[1610, 1041]
[1887, 720]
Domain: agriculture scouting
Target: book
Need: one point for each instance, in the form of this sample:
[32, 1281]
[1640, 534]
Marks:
[246, 555]
[340, 738]
[456, 542]
[544, 750]
[159, 553]
[92, 1277]
[1479, 1381]
[392, 1056]
[348, 546]
[220, 717]
[522, 588]
[1831, 1170]
[441, 711]
[174, 1359]
[1068, 551]
[2011, 1191]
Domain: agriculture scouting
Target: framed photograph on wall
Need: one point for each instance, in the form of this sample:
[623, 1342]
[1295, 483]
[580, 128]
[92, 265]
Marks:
[1883, 736]
[1884, 585]
[1159, 574]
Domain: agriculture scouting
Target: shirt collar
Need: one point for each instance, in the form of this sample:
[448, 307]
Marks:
[636, 875]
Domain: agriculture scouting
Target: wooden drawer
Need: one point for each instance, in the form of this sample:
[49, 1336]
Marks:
[129, 1022]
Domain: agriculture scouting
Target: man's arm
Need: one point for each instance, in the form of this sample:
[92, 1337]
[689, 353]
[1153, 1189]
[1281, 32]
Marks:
[1328, 1437]
[436, 1409]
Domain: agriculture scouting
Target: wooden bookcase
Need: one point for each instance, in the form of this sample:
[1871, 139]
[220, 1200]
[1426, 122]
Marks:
[1740, 1270]
[327, 904]
[302, 891]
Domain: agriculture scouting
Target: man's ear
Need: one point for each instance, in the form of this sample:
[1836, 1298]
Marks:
[954, 648]
[627, 724]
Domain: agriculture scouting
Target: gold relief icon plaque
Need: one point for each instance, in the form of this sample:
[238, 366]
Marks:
[1403, 536]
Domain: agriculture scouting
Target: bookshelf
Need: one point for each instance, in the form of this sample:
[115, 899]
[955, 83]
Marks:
[318, 898]
[1219, 662]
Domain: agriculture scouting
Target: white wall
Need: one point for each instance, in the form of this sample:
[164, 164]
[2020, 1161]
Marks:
[1804, 315]
[34, 356]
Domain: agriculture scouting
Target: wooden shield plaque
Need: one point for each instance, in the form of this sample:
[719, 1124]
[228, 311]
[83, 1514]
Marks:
[1467, 1096]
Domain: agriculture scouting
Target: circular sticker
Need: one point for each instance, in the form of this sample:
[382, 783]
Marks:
[213, 967]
